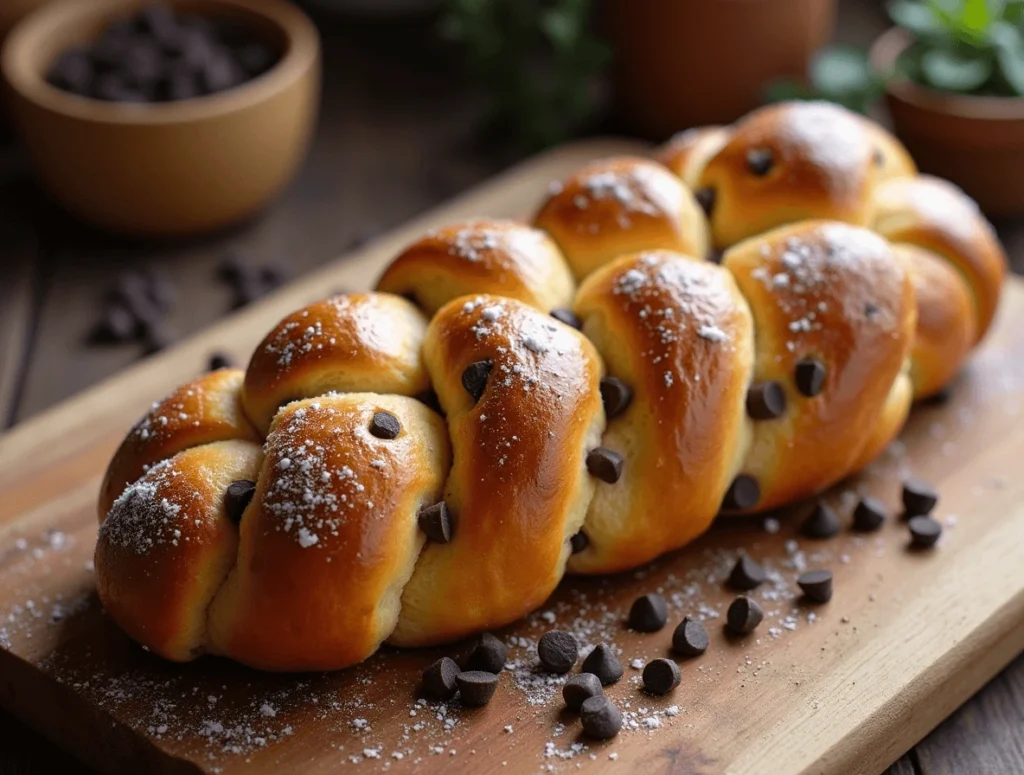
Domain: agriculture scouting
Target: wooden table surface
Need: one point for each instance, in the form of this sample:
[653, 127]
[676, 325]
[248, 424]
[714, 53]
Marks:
[396, 137]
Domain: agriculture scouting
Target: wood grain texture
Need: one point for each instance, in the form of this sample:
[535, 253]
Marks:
[908, 637]
[18, 270]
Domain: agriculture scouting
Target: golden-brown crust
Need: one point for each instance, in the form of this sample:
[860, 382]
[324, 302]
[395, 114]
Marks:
[505, 258]
[199, 412]
[352, 343]
[838, 294]
[891, 157]
[518, 488]
[618, 206]
[331, 535]
[688, 152]
[820, 164]
[936, 215]
[679, 333]
[167, 546]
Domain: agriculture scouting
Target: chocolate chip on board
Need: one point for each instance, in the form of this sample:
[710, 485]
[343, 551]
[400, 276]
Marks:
[919, 497]
[476, 687]
[743, 616]
[924, 531]
[558, 651]
[816, 585]
[219, 360]
[747, 574]
[489, 654]
[600, 718]
[579, 689]
[661, 676]
[603, 663]
[821, 522]
[690, 638]
[439, 679]
[868, 515]
[649, 613]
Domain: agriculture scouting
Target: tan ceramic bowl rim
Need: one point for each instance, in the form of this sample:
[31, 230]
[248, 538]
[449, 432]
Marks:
[887, 49]
[301, 51]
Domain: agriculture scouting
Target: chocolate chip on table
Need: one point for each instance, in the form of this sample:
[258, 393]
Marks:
[579, 542]
[385, 425]
[661, 676]
[474, 378]
[810, 376]
[231, 268]
[476, 687]
[743, 493]
[869, 515]
[439, 679]
[604, 464]
[816, 585]
[743, 616]
[649, 613]
[489, 654]
[766, 401]
[600, 718]
[603, 663]
[616, 396]
[706, 199]
[219, 361]
[759, 161]
[924, 531]
[558, 651]
[579, 689]
[821, 522]
[568, 317]
[747, 574]
[436, 522]
[919, 497]
[237, 498]
[272, 276]
[690, 638]
[117, 324]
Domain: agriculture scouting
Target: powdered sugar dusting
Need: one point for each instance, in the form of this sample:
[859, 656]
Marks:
[143, 517]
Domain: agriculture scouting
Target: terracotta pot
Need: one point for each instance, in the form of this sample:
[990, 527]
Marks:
[681, 63]
[976, 142]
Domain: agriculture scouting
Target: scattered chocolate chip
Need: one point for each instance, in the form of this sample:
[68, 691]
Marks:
[429, 397]
[649, 613]
[743, 616]
[600, 718]
[436, 522]
[661, 676]
[690, 638]
[439, 679]
[878, 157]
[476, 687]
[760, 161]
[869, 515]
[568, 317]
[919, 497]
[385, 425]
[117, 325]
[810, 377]
[605, 464]
[816, 585]
[706, 199]
[924, 531]
[73, 72]
[272, 276]
[940, 398]
[219, 361]
[231, 268]
[489, 654]
[766, 401]
[743, 493]
[558, 651]
[603, 663]
[616, 396]
[579, 689]
[746, 574]
[237, 498]
[474, 378]
[579, 542]
[821, 522]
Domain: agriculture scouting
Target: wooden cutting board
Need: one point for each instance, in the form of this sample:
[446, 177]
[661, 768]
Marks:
[844, 687]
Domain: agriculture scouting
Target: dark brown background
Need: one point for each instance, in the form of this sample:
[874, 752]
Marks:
[396, 136]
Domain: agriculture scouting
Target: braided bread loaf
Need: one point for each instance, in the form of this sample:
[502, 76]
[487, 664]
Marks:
[756, 314]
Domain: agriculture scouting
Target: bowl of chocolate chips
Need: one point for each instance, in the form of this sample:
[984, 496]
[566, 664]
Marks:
[167, 118]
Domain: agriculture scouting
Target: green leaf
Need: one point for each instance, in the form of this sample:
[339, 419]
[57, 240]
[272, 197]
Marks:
[1009, 43]
[975, 15]
[1013, 11]
[841, 71]
[918, 19]
[948, 71]
[561, 28]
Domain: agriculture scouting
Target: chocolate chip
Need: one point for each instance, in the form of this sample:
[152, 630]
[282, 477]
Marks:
[940, 398]
[476, 687]
[649, 613]
[600, 718]
[73, 72]
[706, 199]
[231, 268]
[605, 464]
[579, 542]
[821, 522]
[924, 531]
[690, 638]
[568, 317]
[219, 361]
[810, 377]
[661, 676]
[272, 276]
[878, 157]
[616, 396]
[919, 497]
[474, 378]
[237, 498]
[746, 574]
[579, 689]
[436, 522]
[870, 310]
[385, 425]
[558, 651]
[816, 585]
[743, 616]
[489, 654]
[116, 325]
[766, 401]
[743, 493]
[760, 161]
[439, 679]
[603, 663]
[869, 515]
